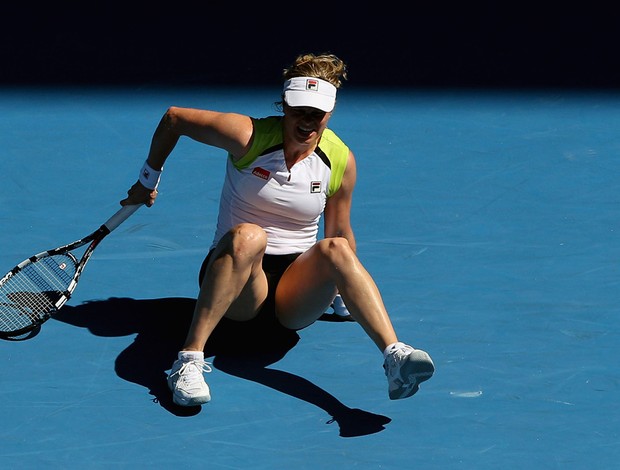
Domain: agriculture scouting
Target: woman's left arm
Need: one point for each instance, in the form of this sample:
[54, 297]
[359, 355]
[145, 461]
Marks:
[337, 221]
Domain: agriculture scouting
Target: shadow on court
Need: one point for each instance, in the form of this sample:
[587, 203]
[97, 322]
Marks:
[237, 349]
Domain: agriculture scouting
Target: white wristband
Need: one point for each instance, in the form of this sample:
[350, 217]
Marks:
[149, 177]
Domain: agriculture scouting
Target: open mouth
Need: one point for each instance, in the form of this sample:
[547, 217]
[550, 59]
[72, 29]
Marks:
[305, 131]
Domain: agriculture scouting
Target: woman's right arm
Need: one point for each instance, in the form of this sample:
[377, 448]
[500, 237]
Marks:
[229, 131]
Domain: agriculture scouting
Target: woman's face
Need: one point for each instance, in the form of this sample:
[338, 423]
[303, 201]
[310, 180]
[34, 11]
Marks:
[304, 125]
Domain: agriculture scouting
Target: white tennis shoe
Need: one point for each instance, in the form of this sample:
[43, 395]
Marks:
[186, 380]
[406, 368]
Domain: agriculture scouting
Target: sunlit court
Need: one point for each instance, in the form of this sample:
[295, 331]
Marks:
[489, 220]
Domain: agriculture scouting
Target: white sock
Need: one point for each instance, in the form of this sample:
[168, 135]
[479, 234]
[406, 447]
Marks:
[187, 356]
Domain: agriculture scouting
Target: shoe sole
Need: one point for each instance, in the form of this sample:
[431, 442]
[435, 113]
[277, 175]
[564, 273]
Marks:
[190, 401]
[416, 371]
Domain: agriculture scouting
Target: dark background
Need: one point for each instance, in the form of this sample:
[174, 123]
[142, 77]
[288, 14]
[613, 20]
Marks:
[394, 44]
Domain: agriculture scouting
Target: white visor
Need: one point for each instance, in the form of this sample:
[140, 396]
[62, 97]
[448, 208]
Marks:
[310, 91]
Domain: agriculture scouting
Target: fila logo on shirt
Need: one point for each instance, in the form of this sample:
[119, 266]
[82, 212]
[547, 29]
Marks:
[315, 187]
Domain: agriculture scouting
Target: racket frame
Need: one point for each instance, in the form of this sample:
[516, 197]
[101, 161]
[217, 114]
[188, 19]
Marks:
[94, 239]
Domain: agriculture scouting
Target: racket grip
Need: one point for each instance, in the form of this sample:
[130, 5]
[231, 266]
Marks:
[122, 215]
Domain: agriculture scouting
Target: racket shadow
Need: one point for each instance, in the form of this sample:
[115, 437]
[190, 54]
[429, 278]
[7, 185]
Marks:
[160, 326]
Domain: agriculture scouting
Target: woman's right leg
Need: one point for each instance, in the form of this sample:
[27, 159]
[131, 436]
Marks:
[234, 286]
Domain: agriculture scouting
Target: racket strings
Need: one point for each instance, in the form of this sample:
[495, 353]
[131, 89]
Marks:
[32, 293]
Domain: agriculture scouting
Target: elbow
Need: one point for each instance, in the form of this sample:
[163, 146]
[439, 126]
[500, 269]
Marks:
[171, 118]
[175, 120]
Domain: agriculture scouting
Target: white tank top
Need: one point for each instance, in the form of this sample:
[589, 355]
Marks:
[288, 205]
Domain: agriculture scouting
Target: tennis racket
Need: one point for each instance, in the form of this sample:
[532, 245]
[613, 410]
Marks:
[39, 286]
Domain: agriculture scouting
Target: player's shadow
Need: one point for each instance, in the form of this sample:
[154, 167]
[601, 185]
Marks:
[160, 326]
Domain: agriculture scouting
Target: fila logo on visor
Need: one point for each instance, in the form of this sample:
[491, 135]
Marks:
[312, 85]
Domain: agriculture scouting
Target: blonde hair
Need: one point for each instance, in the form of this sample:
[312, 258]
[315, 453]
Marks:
[325, 66]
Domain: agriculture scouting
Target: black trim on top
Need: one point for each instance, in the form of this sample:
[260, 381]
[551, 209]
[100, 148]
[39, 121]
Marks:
[272, 149]
[323, 157]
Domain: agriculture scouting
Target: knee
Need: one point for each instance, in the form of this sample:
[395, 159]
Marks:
[246, 240]
[336, 250]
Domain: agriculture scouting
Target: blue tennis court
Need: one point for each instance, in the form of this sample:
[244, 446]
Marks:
[489, 220]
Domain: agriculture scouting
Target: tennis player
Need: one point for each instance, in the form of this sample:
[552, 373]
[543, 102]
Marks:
[267, 263]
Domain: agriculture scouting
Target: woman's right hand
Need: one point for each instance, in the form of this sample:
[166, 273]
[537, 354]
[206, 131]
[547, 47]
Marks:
[138, 194]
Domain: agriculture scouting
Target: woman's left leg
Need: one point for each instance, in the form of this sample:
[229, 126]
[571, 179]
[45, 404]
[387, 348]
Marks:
[309, 285]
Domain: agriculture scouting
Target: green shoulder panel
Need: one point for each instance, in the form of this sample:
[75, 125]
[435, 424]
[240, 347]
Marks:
[267, 134]
[338, 154]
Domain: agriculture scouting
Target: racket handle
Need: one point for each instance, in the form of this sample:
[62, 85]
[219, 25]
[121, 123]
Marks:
[122, 215]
